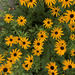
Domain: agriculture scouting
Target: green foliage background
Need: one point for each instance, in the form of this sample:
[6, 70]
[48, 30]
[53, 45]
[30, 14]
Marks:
[35, 17]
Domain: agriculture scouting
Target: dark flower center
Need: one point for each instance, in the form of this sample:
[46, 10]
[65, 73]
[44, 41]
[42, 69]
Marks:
[15, 54]
[37, 51]
[18, 38]
[31, 0]
[74, 52]
[48, 22]
[56, 32]
[62, 48]
[52, 73]
[41, 35]
[24, 43]
[8, 17]
[72, 26]
[66, 0]
[52, 67]
[69, 66]
[30, 60]
[72, 15]
[5, 69]
[10, 60]
[55, 10]
[10, 39]
[38, 44]
[26, 65]
[21, 20]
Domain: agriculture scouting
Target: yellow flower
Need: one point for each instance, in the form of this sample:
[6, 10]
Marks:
[51, 66]
[72, 26]
[37, 52]
[16, 54]
[54, 72]
[6, 68]
[11, 60]
[10, 40]
[8, 18]
[73, 52]
[1, 58]
[31, 3]
[25, 43]
[55, 11]
[18, 39]
[21, 21]
[23, 2]
[56, 33]
[38, 44]
[70, 15]
[26, 66]
[61, 19]
[47, 23]
[72, 36]
[66, 3]
[29, 60]
[50, 2]
[42, 35]
[68, 64]
[60, 47]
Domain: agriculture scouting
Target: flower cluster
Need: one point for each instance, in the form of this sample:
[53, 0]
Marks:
[39, 40]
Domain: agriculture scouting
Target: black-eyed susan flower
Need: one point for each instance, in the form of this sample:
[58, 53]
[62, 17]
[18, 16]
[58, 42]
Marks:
[18, 39]
[8, 18]
[60, 47]
[10, 40]
[50, 2]
[38, 44]
[25, 43]
[37, 52]
[11, 60]
[66, 3]
[73, 52]
[42, 35]
[55, 11]
[47, 23]
[54, 72]
[1, 58]
[6, 69]
[16, 54]
[56, 33]
[61, 19]
[70, 15]
[68, 64]
[51, 66]
[31, 3]
[72, 26]
[26, 66]
[29, 60]
[72, 36]
[21, 21]
[23, 2]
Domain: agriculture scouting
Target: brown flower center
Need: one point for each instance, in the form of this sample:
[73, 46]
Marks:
[62, 48]
[10, 39]
[38, 44]
[56, 32]
[5, 69]
[15, 54]
[72, 15]
[69, 66]
[52, 67]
